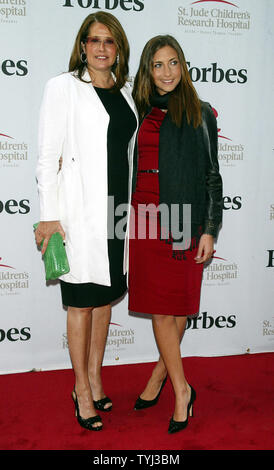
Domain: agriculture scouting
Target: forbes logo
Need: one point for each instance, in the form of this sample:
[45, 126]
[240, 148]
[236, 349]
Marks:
[234, 203]
[206, 321]
[15, 207]
[216, 74]
[14, 334]
[136, 5]
[10, 67]
[270, 263]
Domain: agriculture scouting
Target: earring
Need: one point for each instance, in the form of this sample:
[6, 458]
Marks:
[83, 57]
[117, 59]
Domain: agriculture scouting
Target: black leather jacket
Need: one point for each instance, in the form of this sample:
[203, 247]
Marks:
[189, 170]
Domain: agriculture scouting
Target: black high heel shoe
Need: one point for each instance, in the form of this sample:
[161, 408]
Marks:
[175, 426]
[141, 404]
[88, 422]
[100, 404]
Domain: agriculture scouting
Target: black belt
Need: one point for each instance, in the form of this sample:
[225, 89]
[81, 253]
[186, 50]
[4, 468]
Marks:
[149, 171]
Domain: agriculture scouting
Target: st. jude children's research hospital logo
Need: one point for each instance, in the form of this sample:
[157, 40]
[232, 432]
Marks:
[220, 272]
[12, 153]
[213, 17]
[118, 340]
[12, 282]
[12, 10]
[229, 154]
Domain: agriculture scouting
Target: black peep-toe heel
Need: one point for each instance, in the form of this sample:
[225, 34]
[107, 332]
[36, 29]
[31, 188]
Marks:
[87, 423]
[100, 404]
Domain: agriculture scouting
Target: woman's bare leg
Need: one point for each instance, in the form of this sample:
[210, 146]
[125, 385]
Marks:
[99, 330]
[159, 372]
[168, 340]
[79, 331]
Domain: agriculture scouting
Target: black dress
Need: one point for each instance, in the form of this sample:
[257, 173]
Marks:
[122, 125]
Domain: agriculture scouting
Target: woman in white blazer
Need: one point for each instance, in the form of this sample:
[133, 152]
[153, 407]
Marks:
[88, 117]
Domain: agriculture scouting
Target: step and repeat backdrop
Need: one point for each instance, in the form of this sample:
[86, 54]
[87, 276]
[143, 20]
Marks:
[229, 51]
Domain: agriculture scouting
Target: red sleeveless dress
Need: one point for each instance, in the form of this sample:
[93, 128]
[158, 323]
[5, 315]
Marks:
[161, 280]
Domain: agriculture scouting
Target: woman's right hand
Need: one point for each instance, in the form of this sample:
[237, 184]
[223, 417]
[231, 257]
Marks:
[45, 230]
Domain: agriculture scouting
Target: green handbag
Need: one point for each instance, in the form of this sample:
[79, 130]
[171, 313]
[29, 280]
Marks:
[55, 257]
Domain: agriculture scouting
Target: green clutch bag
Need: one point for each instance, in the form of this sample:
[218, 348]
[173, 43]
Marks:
[55, 257]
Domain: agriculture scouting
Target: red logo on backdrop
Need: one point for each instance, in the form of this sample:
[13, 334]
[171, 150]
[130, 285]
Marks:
[4, 135]
[5, 265]
[221, 136]
[217, 1]
[218, 257]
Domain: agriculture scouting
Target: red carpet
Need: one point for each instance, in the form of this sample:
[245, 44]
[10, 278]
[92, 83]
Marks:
[233, 410]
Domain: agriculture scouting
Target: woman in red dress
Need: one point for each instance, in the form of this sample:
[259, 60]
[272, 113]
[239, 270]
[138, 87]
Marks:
[176, 167]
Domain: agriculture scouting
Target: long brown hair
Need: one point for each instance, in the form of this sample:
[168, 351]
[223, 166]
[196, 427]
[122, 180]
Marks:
[120, 68]
[183, 98]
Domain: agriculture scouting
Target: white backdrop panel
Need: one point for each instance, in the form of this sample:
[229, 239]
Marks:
[228, 47]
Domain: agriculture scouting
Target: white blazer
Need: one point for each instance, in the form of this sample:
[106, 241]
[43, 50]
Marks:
[73, 124]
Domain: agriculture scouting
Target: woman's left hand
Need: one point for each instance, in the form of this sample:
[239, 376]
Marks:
[205, 249]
